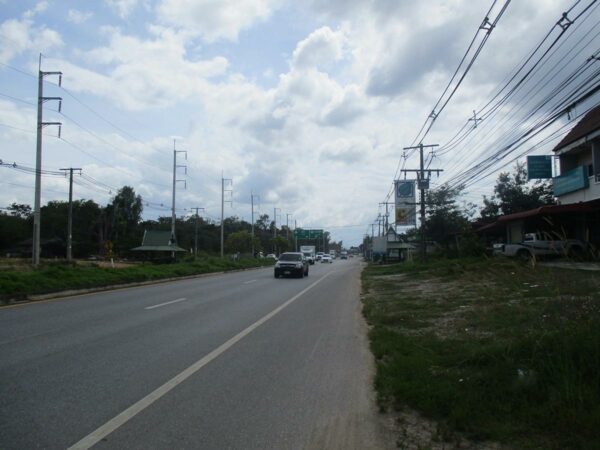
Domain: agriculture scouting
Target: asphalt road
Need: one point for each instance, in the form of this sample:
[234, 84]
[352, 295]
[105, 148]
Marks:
[233, 361]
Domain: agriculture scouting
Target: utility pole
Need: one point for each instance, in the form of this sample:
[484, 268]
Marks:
[252, 196]
[70, 224]
[287, 226]
[35, 254]
[196, 231]
[175, 181]
[387, 214]
[275, 229]
[295, 234]
[423, 176]
[223, 181]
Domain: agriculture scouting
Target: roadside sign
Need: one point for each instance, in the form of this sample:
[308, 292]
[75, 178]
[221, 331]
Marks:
[539, 167]
[300, 233]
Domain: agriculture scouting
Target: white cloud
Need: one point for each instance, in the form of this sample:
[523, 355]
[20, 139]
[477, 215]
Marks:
[144, 73]
[38, 8]
[18, 36]
[123, 8]
[346, 151]
[322, 48]
[215, 19]
[77, 16]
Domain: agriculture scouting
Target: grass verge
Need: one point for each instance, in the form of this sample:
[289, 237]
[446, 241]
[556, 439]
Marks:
[19, 284]
[489, 349]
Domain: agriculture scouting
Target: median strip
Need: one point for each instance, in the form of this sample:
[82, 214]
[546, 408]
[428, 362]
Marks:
[116, 422]
[166, 303]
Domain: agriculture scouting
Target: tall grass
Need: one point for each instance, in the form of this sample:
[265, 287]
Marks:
[18, 284]
[490, 350]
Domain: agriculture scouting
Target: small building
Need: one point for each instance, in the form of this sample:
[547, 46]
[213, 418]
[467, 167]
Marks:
[390, 247]
[158, 244]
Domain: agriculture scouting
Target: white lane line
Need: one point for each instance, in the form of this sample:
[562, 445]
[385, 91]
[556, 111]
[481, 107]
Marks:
[248, 282]
[97, 435]
[166, 303]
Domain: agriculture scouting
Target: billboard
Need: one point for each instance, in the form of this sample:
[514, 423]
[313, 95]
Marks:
[405, 199]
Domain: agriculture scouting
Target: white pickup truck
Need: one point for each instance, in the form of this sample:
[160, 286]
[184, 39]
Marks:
[535, 245]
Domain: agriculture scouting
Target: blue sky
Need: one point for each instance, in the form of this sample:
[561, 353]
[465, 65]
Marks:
[307, 104]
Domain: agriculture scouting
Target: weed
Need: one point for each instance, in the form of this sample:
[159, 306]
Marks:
[490, 349]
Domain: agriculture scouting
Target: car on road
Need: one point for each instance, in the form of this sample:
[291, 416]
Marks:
[319, 256]
[326, 258]
[271, 256]
[291, 264]
[344, 255]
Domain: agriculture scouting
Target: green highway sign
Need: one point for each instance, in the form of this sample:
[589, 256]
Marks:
[300, 233]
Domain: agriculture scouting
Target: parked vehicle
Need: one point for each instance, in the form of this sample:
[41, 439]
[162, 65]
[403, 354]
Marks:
[309, 252]
[534, 244]
[291, 263]
[326, 258]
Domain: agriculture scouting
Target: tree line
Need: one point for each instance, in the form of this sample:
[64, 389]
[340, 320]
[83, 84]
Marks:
[116, 228]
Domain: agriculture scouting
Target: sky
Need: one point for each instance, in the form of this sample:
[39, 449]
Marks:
[308, 105]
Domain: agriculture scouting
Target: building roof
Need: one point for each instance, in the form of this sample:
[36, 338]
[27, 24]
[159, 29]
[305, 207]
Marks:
[157, 241]
[586, 126]
[541, 211]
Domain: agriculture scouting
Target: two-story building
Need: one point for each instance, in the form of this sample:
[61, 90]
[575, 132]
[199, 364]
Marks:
[578, 184]
[576, 188]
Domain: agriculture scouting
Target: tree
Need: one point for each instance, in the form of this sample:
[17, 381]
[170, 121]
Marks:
[120, 219]
[20, 210]
[241, 241]
[446, 220]
[513, 193]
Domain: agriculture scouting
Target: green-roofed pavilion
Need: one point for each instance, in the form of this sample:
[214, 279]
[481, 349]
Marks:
[158, 241]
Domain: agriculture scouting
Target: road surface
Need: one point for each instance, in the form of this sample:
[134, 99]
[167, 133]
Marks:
[232, 361]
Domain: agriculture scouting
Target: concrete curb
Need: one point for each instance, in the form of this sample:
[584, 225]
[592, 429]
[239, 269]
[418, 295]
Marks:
[112, 287]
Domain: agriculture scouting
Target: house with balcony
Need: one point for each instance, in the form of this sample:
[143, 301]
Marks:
[576, 188]
[578, 185]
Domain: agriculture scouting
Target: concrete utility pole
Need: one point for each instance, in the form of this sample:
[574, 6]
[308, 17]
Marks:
[295, 234]
[252, 196]
[387, 214]
[70, 224]
[423, 176]
[196, 230]
[275, 229]
[287, 226]
[35, 253]
[223, 181]
[175, 181]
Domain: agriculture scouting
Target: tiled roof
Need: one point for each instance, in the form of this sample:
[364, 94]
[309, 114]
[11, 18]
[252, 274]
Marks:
[586, 126]
[158, 240]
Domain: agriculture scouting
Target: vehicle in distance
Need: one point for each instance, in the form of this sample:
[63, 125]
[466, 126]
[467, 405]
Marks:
[344, 255]
[326, 258]
[309, 252]
[292, 264]
[319, 256]
[271, 256]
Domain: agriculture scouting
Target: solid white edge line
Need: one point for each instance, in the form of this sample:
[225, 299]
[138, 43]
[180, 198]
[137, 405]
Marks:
[166, 303]
[248, 282]
[100, 433]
